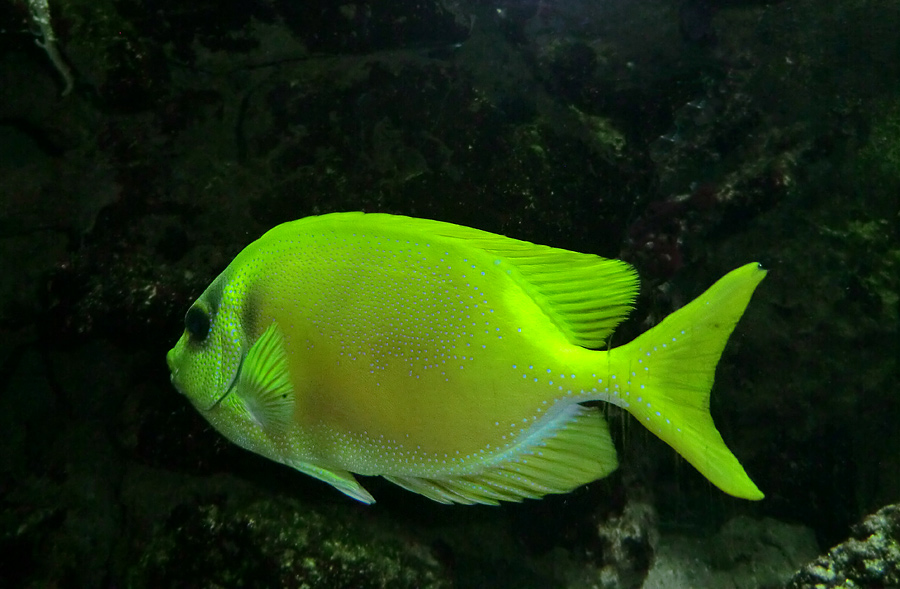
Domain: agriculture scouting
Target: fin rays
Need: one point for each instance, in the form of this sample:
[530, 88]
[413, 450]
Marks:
[264, 383]
[679, 361]
[585, 296]
[574, 448]
[341, 480]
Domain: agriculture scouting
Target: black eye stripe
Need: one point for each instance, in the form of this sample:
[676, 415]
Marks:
[197, 323]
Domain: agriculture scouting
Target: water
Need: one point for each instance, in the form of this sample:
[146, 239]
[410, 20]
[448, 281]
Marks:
[687, 138]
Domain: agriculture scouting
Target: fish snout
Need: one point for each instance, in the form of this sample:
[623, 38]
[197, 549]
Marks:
[170, 362]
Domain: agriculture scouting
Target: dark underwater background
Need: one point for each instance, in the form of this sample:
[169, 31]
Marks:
[687, 137]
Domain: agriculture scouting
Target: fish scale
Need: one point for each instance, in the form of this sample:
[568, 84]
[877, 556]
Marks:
[450, 360]
[438, 302]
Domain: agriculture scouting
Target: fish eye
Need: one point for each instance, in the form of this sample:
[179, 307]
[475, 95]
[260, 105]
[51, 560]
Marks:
[196, 323]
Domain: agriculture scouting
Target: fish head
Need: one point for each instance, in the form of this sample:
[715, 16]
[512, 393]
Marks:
[206, 361]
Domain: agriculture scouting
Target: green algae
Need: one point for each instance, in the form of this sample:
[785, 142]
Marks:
[277, 543]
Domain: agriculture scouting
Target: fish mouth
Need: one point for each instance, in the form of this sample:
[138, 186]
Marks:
[175, 384]
[173, 377]
[231, 385]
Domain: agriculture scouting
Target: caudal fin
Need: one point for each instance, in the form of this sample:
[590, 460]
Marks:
[671, 370]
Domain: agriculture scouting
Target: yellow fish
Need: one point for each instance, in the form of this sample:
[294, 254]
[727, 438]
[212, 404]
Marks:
[451, 361]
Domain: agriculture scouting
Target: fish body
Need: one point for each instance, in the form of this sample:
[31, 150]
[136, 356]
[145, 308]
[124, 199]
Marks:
[452, 361]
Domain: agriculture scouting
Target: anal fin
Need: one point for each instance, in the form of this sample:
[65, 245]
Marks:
[570, 450]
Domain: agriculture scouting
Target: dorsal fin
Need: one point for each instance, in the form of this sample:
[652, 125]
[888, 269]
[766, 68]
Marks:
[586, 296]
[568, 451]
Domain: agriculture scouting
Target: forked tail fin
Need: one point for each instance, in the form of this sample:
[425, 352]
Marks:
[670, 371]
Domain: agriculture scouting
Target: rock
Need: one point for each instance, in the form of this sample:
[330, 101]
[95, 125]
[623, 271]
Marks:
[747, 553]
[869, 558]
[233, 536]
[627, 541]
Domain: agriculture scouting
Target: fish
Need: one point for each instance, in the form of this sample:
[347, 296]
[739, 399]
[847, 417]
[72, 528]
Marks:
[453, 362]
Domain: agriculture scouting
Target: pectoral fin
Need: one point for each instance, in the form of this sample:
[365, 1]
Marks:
[264, 383]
